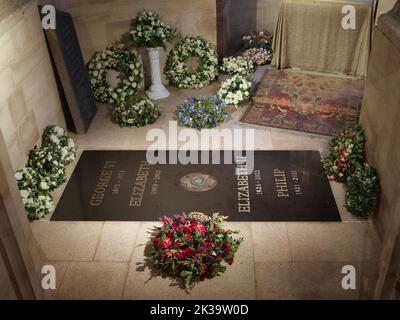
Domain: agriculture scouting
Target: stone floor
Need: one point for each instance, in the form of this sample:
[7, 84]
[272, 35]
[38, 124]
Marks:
[296, 260]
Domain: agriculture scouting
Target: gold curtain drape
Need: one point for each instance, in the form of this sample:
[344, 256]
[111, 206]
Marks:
[309, 36]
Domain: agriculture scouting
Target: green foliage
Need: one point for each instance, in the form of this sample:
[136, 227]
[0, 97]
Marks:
[362, 191]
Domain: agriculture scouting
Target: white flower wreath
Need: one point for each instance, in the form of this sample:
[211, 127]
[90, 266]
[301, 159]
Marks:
[127, 63]
[176, 69]
[235, 90]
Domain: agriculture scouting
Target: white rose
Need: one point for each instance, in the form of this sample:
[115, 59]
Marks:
[64, 152]
[44, 186]
[71, 143]
[54, 139]
[18, 176]
[24, 194]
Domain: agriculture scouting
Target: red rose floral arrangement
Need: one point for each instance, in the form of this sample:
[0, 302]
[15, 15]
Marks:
[345, 153]
[193, 247]
[258, 39]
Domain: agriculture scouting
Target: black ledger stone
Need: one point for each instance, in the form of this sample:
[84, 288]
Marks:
[123, 186]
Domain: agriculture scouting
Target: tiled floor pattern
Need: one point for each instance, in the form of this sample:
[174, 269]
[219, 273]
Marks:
[104, 260]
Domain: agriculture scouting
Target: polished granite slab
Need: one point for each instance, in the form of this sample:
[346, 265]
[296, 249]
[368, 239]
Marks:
[124, 186]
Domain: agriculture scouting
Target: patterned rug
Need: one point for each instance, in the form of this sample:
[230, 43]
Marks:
[303, 102]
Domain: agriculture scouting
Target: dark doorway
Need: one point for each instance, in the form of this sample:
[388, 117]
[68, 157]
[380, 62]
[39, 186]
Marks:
[234, 19]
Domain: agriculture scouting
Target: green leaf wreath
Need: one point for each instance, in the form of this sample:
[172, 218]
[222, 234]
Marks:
[362, 191]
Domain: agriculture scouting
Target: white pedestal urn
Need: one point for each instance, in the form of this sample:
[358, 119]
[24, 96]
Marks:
[157, 90]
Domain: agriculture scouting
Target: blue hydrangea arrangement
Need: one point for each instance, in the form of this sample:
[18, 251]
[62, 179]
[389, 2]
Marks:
[202, 113]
